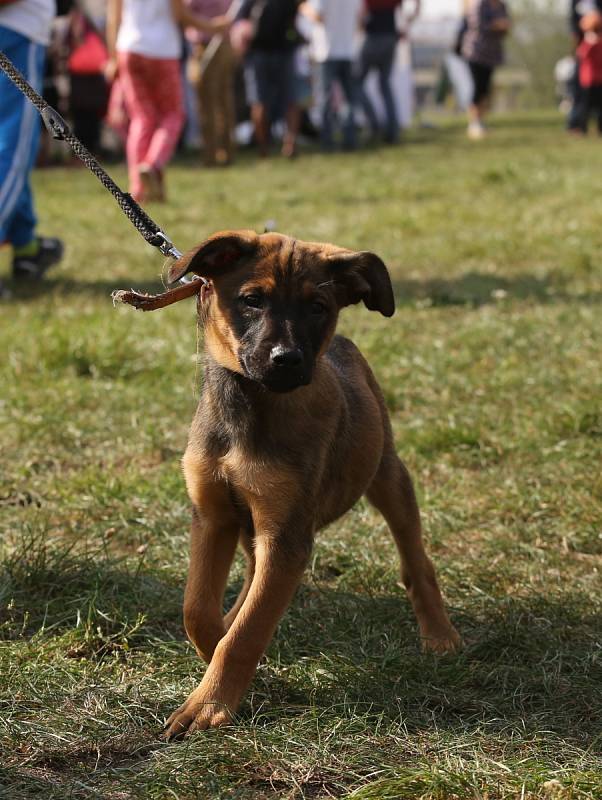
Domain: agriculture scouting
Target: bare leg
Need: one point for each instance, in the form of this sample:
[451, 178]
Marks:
[293, 120]
[261, 124]
[477, 111]
[212, 547]
[279, 568]
[393, 495]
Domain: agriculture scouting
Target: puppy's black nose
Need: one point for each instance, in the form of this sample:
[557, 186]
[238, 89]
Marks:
[282, 357]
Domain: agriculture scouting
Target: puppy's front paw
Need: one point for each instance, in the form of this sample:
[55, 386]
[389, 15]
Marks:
[441, 642]
[196, 714]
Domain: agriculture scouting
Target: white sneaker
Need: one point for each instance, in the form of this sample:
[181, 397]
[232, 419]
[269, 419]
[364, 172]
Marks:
[476, 131]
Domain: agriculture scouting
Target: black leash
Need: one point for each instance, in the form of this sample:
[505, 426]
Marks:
[59, 129]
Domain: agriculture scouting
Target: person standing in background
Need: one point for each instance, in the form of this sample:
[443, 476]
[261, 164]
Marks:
[214, 80]
[576, 121]
[24, 35]
[145, 46]
[269, 36]
[334, 38]
[88, 91]
[378, 53]
[589, 54]
[487, 24]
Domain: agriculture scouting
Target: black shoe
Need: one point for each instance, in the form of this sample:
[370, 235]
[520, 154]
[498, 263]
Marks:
[32, 268]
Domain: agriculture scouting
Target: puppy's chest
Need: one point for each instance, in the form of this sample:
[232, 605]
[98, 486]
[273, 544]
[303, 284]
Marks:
[249, 472]
[250, 466]
[262, 460]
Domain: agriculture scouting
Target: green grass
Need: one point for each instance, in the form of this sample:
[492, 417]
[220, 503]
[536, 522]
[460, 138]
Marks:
[492, 371]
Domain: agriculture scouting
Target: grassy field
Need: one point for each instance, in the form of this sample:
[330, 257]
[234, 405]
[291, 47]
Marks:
[492, 372]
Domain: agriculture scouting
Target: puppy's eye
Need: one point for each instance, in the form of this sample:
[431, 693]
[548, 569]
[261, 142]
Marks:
[252, 300]
[318, 308]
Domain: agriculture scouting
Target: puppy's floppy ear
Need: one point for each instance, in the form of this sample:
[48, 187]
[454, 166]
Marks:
[217, 253]
[362, 277]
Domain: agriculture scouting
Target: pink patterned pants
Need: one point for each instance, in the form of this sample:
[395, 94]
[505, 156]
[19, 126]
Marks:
[152, 89]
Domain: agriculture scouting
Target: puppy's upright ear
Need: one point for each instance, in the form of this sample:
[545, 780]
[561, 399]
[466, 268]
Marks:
[218, 253]
[362, 277]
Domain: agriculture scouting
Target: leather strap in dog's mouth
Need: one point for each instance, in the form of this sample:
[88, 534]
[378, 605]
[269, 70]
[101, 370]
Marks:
[151, 302]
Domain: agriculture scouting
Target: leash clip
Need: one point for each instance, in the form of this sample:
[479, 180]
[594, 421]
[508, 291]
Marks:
[167, 247]
[169, 250]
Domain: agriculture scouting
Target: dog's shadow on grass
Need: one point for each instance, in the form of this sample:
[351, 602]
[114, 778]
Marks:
[476, 289]
[530, 663]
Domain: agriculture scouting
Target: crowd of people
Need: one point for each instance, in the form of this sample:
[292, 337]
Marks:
[130, 68]
[278, 46]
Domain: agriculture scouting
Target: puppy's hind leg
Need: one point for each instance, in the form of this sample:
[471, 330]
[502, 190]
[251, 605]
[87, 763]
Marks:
[247, 542]
[392, 493]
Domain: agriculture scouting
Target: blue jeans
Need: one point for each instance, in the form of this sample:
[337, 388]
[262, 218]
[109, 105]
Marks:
[341, 72]
[378, 52]
[19, 138]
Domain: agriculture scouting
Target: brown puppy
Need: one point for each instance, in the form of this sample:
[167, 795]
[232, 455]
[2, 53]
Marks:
[290, 431]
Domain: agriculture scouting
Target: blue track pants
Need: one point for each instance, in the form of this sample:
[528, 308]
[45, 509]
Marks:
[19, 138]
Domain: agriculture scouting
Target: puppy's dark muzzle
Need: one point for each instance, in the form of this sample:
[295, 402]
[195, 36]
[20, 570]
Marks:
[285, 370]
